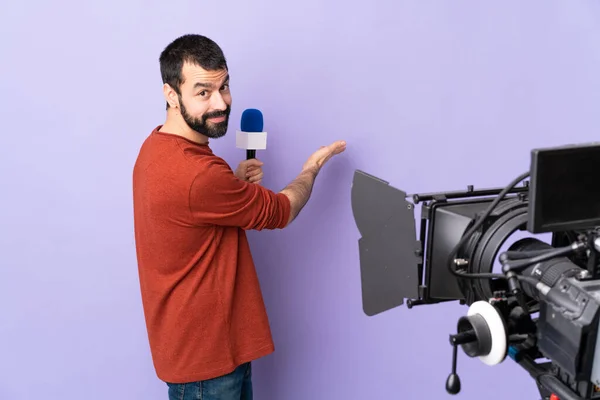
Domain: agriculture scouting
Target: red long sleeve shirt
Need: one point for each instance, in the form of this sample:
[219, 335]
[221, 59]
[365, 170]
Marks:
[202, 301]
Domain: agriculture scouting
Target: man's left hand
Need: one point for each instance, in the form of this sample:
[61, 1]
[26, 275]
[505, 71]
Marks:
[250, 171]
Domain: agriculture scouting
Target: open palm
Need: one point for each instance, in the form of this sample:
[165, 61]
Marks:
[324, 154]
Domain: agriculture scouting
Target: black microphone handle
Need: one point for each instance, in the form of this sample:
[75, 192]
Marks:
[250, 154]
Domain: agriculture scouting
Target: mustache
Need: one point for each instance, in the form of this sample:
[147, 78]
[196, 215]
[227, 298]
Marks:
[216, 114]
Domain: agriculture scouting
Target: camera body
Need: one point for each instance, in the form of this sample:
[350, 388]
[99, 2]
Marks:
[452, 259]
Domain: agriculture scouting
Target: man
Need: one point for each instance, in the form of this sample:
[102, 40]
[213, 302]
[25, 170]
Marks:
[204, 310]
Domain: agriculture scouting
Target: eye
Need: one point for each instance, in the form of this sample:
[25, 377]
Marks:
[225, 87]
[202, 93]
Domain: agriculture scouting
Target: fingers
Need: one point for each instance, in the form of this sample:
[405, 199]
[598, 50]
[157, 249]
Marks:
[334, 148]
[338, 146]
[257, 178]
[324, 153]
[253, 162]
[253, 172]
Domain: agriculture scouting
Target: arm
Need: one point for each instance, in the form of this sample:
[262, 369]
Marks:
[299, 190]
[218, 197]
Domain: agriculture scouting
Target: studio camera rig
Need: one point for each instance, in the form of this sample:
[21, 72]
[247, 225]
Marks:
[541, 309]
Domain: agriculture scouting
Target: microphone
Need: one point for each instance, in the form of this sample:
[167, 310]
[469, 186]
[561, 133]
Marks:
[251, 136]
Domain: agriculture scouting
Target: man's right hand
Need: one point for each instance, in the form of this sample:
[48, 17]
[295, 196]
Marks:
[321, 156]
[300, 189]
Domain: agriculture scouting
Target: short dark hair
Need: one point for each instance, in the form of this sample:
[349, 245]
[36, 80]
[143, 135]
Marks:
[194, 49]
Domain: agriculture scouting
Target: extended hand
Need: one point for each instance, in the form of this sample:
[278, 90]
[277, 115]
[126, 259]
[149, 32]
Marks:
[321, 156]
[250, 171]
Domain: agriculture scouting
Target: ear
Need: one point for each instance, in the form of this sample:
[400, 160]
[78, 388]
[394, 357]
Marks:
[170, 96]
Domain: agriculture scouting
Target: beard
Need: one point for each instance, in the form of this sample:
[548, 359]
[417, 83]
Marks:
[202, 126]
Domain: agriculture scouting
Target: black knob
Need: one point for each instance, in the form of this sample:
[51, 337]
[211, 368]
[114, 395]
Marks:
[453, 384]
[453, 381]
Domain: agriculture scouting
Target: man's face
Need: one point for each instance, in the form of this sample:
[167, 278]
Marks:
[205, 100]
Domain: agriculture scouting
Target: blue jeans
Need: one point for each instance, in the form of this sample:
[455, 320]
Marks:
[236, 385]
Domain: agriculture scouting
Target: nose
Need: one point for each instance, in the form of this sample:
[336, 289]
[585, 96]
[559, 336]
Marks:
[217, 102]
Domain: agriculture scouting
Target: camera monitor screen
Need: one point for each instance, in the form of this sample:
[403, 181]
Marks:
[565, 188]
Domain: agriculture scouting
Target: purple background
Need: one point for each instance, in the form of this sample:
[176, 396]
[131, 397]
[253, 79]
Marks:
[430, 95]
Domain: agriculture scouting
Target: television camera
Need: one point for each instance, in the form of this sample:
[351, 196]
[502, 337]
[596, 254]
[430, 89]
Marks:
[542, 309]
